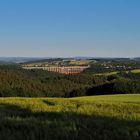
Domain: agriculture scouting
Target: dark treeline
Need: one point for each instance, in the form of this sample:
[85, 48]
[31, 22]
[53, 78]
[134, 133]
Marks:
[15, 81]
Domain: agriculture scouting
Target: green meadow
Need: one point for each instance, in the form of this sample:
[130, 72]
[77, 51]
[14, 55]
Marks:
[104, 117]
[135, 71]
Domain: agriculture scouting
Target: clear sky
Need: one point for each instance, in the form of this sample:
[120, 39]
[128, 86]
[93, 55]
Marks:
[103, 28]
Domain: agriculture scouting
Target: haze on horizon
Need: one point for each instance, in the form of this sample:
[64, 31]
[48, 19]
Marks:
[96, 28]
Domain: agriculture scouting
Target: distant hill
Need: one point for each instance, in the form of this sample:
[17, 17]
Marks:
[137, 58]
[9, 60]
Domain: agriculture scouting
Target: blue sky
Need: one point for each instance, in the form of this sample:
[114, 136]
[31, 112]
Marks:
[65, 28]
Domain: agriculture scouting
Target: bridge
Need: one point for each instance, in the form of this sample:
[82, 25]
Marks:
[63, 69]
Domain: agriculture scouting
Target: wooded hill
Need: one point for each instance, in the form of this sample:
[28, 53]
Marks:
[14, 81]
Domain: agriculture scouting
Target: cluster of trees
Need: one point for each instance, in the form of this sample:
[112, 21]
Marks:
[14, 81]
[109, 65]
[128, 82]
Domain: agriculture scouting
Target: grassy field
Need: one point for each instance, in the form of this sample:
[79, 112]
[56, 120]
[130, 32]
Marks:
[135, 71]
[115, 72]
[81, 62]
[107, 73]
[110, 117]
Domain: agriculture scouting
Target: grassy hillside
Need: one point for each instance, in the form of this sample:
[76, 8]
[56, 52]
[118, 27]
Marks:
[135, 71]
[127, 98]
[81, 62]
[97, 117]
[107, 73]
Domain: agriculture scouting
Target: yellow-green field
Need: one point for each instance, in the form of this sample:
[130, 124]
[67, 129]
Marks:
[107, 73]
[135, 71]
[81, 62]
[115, 72]
[94, 117]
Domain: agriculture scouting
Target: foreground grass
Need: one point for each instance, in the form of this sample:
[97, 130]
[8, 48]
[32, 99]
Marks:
[96, 117]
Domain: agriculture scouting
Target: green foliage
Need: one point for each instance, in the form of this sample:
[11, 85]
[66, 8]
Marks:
[124, 85]
[36, 83]
[15, 81]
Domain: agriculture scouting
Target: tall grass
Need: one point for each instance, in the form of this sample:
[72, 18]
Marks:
[99, 117]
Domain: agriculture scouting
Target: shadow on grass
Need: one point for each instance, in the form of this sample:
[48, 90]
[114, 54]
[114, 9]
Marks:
[49, 103]
[23, 124]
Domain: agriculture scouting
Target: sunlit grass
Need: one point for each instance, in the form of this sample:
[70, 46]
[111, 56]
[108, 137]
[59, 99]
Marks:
[72, 118]
[107, 73]
[81, 62]
[135, 71]
[115, 72]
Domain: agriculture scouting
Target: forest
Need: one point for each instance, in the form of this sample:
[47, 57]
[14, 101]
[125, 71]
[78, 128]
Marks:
[15, 81]
[109, 109]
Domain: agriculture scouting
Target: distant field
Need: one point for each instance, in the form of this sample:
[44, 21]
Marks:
[115, 72]
[81, 62]
[95, 117]
[136, 71]
[107, 73]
